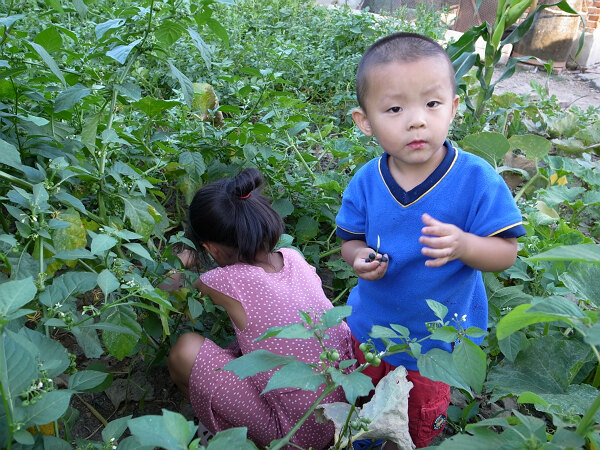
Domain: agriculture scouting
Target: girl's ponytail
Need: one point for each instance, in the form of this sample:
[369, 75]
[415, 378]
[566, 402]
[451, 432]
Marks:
[234, 213]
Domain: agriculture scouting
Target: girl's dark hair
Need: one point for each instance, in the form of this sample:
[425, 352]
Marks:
[234, 213]
[399, 47]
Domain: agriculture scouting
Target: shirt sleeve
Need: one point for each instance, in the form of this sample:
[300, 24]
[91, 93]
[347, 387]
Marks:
[495, 212]
[351, 218]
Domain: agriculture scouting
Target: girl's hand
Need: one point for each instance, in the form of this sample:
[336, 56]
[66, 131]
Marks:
[370, 265]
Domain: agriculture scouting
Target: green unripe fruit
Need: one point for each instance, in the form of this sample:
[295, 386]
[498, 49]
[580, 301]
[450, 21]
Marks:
[376, 361]
[369, 357]
[364, 347]
[334, 355]
[323, 356]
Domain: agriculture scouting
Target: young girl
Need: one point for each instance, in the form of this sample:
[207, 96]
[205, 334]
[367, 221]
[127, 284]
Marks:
[259, 288]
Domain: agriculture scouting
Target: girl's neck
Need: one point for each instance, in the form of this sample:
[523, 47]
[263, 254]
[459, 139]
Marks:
[269, 262]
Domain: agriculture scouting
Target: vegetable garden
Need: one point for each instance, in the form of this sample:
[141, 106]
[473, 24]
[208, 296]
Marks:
[112, 114]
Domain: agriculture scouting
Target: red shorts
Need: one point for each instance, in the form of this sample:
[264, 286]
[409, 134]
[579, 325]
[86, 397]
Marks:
[428, 400]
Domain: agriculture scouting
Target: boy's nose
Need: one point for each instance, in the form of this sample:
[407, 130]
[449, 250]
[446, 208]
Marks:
[417, 120]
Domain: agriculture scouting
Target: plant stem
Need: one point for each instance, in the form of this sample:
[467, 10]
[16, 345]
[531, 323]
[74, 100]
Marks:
[330, 252]
[588, 418]
[285, 440]
[93, 411]
[526, 186]
[7, 409]
[16, 180]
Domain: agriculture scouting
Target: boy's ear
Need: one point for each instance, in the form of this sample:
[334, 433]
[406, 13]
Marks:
[360, 119]
[455, 105]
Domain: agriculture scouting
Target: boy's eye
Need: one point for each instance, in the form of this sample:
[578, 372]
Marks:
[432, 103]
[395, 109]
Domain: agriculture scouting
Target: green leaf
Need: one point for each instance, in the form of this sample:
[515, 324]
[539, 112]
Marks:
[49, 61]
[219, 30]
[51, 355]
[283, 207]
[67, 286]
[168, 32]
[55, 4]
[153, 107]
[102, 243]
[582, 280]
[121, 52]
[438, 309]
[18, 369]
[23, 437]
[580, 252]
[111, 24]
[118, 344]
[48, 408]
[115, 428]
[86, 379]
[511, 345]
[490, 146]
[9, 155]
[576, 400]
[255, 362]
[137, 211]
[534, 146]
[470, 363]
[201, 46]
[196, 308]
[438, 365]
[187, 88]
[69, 97]
[171, 430]
[50, 39]
[446, 334]
[15, 294]
[542, 368]
[291, 331]
[306, 228]
[81, 8]
[295, 375]
[519, 318]
[139, 250]
[231, 438]
[107, 282]
[336, 315]
[530, 397]
[355, 384]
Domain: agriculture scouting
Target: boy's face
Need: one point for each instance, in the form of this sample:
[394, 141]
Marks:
[408, 108]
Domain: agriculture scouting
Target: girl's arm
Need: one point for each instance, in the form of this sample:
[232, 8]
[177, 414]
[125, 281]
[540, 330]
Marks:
[445, 242]
[232, 306]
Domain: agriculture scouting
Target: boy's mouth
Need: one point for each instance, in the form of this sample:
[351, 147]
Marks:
[416, 144]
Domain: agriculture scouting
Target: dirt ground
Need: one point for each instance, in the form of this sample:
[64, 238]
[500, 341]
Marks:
[571, 87]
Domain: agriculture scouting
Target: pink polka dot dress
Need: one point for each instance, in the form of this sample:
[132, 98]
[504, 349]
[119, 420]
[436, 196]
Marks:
[220, 399]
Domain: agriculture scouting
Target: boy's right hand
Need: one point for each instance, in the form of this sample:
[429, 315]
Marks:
[370, 265]
[366, 262]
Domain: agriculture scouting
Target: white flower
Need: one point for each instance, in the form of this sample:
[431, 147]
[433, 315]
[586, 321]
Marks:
[455, 314]
[464, 318]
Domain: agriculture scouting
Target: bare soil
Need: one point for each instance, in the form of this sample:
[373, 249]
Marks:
[571, 87]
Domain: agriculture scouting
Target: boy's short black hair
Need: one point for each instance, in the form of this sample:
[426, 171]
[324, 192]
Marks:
[401, 47]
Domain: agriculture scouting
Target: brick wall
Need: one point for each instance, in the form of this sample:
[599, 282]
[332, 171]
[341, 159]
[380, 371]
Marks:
[591, 10]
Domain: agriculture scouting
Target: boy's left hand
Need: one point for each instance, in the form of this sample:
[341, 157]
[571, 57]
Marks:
[443, 241]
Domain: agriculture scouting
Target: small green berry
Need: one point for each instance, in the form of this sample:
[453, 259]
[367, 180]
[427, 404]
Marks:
[334, 355]
[369, 357]
[364, 347]
[324, 355]
[376, 361]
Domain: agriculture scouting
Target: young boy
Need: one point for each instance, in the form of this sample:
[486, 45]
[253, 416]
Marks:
[441, 215]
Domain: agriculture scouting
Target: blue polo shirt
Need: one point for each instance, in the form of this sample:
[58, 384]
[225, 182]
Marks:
[464, 190]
